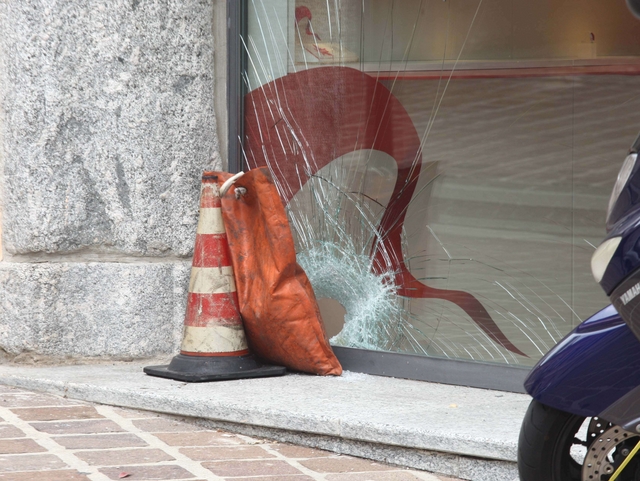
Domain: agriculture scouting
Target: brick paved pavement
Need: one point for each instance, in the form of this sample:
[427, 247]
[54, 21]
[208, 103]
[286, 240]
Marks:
[48, 438]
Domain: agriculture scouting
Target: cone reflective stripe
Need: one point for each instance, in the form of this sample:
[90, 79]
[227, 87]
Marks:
[214, 346]
[212, 324]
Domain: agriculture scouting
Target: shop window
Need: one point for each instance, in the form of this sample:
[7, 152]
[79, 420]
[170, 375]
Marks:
[445, 165]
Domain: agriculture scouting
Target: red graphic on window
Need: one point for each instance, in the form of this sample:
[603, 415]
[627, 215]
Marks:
[321, 50]
[304, 12]
[324, 113]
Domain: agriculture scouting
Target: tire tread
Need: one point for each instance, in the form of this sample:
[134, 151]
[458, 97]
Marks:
[540, 429]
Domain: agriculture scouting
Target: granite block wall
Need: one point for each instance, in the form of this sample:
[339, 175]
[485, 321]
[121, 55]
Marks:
[106, 123]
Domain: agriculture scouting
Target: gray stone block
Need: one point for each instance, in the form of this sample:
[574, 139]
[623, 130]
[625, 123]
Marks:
[120, 310]
[109, 122]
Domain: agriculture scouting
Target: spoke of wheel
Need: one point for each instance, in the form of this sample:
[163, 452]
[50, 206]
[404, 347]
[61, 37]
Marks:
[626, 461]
[577, 441]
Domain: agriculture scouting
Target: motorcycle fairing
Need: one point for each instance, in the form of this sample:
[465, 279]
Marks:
[590, 369]
[625, 412]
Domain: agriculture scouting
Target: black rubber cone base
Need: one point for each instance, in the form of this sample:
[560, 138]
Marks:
[204, 369]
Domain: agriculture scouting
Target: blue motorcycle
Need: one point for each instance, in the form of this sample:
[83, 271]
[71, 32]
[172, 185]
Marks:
[584, 420]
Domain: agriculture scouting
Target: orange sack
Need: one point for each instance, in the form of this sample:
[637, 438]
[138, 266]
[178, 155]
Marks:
[279, 309]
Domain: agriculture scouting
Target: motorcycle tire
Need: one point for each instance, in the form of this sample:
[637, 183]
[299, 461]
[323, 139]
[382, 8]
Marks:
[554, 444]
[544, 445]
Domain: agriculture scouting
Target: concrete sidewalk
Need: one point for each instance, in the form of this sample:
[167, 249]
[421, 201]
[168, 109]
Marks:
[456, 431]
[50, 438]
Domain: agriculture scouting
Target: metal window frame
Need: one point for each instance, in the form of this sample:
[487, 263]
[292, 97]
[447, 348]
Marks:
[459, 372]
[422, 368]
[236, 87]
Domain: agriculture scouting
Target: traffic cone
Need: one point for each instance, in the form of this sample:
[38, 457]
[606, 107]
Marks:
[214, 346]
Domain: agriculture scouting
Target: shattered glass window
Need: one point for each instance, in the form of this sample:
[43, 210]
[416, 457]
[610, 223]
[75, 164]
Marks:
[445, 165]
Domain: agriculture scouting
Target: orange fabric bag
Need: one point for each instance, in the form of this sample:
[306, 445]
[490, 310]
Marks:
[279, 309]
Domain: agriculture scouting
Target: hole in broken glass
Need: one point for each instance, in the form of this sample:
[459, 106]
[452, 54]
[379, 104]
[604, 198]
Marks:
[332, 313]
[334, 218]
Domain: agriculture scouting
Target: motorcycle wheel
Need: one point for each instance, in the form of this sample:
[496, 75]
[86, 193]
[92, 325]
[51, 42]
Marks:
[554, 445]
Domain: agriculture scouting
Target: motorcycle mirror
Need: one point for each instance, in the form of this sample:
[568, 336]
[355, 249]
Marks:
[634, 6]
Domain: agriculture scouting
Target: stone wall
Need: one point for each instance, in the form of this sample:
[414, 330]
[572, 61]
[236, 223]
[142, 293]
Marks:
[107, 121]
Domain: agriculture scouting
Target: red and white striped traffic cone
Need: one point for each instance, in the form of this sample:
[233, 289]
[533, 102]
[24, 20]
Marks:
[214, 346]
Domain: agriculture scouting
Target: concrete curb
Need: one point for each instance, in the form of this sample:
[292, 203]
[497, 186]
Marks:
[464, 432]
